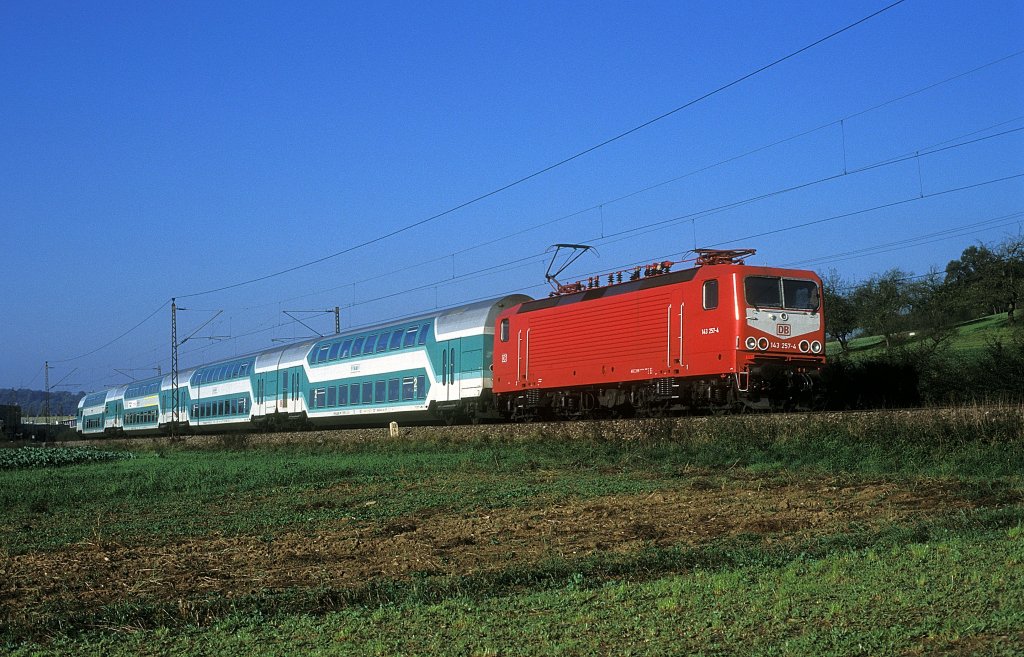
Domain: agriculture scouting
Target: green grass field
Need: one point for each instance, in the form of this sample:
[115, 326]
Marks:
[879, 533]
[970, 339]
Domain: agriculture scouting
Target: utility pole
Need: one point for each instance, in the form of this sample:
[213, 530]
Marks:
[174, 369]
[60, 383]
[175, 388]
[46, 403]
[337, 320]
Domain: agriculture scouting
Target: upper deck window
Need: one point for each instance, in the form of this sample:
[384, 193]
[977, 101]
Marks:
[396, 340]
[776, 292]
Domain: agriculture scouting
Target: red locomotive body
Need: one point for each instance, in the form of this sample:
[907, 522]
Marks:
[718, 336]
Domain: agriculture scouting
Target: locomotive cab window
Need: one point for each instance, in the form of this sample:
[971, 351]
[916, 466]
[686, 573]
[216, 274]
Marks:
[711, 294]
[503, 331]
[800, 295]
[763, 291]
[786, 293]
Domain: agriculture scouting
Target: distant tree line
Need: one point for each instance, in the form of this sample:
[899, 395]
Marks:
[915, 317]
[33, 402]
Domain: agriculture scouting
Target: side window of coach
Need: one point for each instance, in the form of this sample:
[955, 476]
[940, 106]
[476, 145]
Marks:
[710, 294]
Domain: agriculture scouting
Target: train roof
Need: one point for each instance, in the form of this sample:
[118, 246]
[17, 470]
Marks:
[448, 321]
[648, 282]
[470, 316]
[671, 278]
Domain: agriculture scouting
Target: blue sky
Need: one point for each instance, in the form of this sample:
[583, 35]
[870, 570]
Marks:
[150, 151]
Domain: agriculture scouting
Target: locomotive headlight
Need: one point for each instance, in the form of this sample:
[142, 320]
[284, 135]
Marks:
[751, 343]
[762, 343]
[805, 346]
[816, 347]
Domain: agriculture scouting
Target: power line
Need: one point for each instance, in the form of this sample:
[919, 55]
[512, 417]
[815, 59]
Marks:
[551, 167]
[608, 239]
[856, 114]
[663, 257]
[703, 213]
[918, 240]
[677, 178]
[877, 207]
[699, 214]
[744, 155]
[100, 348]
[814, 222]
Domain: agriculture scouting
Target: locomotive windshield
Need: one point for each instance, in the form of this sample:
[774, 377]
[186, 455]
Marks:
[776, 292]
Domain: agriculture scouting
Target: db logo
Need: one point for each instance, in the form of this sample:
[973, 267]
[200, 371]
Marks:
[783, 329]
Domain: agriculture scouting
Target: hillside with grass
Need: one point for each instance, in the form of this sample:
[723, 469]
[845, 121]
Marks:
[902, 340]
[971, 338]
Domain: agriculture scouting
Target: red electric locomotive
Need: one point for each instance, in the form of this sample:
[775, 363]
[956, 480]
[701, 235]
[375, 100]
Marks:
[719, 336]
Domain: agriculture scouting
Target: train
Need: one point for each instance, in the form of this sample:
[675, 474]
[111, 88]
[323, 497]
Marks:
[718, 336]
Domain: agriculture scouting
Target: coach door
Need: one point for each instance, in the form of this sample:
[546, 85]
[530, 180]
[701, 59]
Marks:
[266, 392]
[471, 368]
[290, 389]
[450, 359]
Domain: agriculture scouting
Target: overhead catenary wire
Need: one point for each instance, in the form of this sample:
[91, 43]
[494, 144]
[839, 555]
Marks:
[624, 234]
[600, 206]
[917, 240]
[107, 344]
[631, 265]
[630, 194]
[804, 185]
[945, 145]
[705, 213]
[556, 165]
[846, 215]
